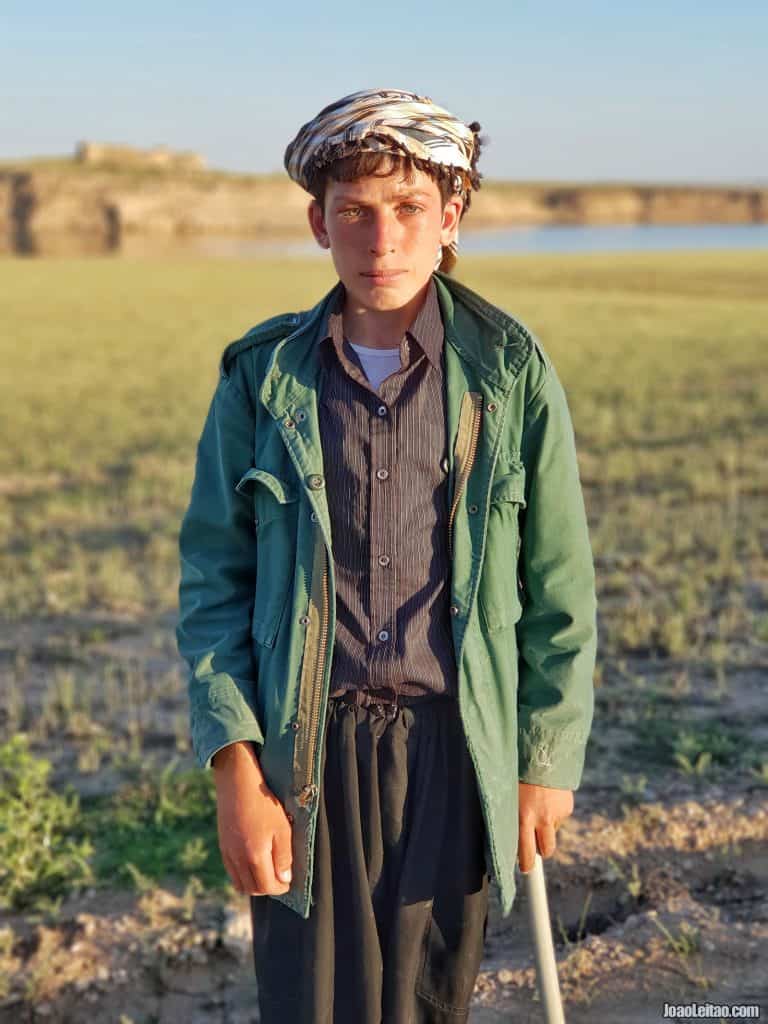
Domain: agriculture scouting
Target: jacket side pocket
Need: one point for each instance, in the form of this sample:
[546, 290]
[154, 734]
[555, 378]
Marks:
[500, 591]
[275, 505]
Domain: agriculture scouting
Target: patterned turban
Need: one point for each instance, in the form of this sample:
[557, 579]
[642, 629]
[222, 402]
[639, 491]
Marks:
[383, 120]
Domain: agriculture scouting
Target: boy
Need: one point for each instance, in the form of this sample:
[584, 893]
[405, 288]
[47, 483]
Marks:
[387, 592]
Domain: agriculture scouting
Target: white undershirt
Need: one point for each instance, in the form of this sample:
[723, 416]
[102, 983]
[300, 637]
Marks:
[378, 363]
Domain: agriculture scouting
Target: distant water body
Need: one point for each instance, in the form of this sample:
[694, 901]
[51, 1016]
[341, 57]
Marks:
[550, 238]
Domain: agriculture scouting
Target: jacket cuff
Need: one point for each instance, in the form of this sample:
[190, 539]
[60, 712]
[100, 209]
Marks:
[220, 715]
[552, 758]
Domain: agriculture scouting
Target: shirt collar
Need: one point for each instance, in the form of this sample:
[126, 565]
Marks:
[426, 329]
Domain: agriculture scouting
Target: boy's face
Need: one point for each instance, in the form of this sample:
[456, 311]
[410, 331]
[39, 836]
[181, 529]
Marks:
[384, 224]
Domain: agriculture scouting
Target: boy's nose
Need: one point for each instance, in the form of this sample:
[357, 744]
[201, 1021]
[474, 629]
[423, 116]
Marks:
[381, 236]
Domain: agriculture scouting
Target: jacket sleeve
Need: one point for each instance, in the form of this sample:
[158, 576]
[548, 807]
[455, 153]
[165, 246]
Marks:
[217, 546]
[557, 631]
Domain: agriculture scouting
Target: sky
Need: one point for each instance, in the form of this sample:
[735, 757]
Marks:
[652, 92]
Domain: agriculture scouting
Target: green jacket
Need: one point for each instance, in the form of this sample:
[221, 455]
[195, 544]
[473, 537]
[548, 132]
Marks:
[257, 586]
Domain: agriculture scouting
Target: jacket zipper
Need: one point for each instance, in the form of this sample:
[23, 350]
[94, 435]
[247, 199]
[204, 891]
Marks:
[309, 789]
[317, 689]
[472, 403]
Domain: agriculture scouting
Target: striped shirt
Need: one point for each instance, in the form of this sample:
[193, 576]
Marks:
[385, 454]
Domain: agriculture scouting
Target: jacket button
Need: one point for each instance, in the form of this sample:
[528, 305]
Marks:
[290, 423]
[301, 415]
[314, 516]
[491, 407]
[315, 481]
[295, 726]
[454, 609]
[304, 620]
[472, 509]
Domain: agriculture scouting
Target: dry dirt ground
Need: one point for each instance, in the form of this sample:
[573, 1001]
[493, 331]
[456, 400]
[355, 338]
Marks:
[655, 895]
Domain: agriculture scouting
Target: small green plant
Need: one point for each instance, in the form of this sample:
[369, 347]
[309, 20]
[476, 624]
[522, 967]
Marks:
[192, 890]
[684, 945]
[41, 855]
[142, 883]
[694, 749]
[633, 787]
[163, 823]
[580, 931]
[635, 884]
[194, 854]
[698, 767]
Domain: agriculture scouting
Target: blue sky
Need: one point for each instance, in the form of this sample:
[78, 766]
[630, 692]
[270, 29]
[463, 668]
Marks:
[565, 91]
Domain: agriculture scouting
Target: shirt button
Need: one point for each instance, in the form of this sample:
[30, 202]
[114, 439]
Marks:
[382, 474]
[383, 559]
[454, 609]
[315, 481]
[383, 635]
[382, 410]
[314, 516]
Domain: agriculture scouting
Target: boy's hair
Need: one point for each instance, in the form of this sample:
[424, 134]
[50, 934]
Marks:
[366, 163]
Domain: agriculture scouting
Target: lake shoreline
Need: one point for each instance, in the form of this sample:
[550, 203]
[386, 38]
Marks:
[51, 207]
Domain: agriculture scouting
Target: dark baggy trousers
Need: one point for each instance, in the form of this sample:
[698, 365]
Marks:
[397, 928]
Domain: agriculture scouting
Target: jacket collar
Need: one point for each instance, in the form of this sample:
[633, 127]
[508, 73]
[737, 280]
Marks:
[483, 335]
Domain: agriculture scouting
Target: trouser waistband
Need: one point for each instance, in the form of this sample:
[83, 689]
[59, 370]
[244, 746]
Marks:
[385, 702]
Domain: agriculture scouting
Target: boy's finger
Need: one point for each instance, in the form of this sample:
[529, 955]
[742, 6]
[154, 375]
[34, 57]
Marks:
[234, 874]
[282, 857]
[545, 837]
[526, 848]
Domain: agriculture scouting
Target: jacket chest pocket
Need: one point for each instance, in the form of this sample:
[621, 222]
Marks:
[275, 510]
[500, 591]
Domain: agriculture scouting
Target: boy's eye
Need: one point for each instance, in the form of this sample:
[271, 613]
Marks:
[353, 211]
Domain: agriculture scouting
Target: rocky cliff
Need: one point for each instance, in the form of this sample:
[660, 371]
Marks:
[58, 205]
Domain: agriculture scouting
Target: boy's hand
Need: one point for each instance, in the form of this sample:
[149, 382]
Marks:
[254, 830]
[542, 810]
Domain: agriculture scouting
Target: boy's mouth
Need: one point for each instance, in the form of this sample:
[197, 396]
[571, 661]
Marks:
[382, 275]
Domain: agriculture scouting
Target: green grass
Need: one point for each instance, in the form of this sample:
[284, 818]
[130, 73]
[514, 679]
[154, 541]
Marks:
[160, 826]
[111, 363]
[41, 855]
[163, 824]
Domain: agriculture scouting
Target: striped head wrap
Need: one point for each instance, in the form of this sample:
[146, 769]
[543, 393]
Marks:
[383, 120]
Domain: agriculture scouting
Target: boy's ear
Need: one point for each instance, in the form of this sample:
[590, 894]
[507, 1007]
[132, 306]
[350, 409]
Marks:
[451, 217]
[317, 224]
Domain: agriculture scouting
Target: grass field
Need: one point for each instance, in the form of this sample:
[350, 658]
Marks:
[108, 368]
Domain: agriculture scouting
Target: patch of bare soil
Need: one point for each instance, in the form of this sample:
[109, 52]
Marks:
[665, 903]
[656, 895]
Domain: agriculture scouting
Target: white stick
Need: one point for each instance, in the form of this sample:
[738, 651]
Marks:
[546, 967]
